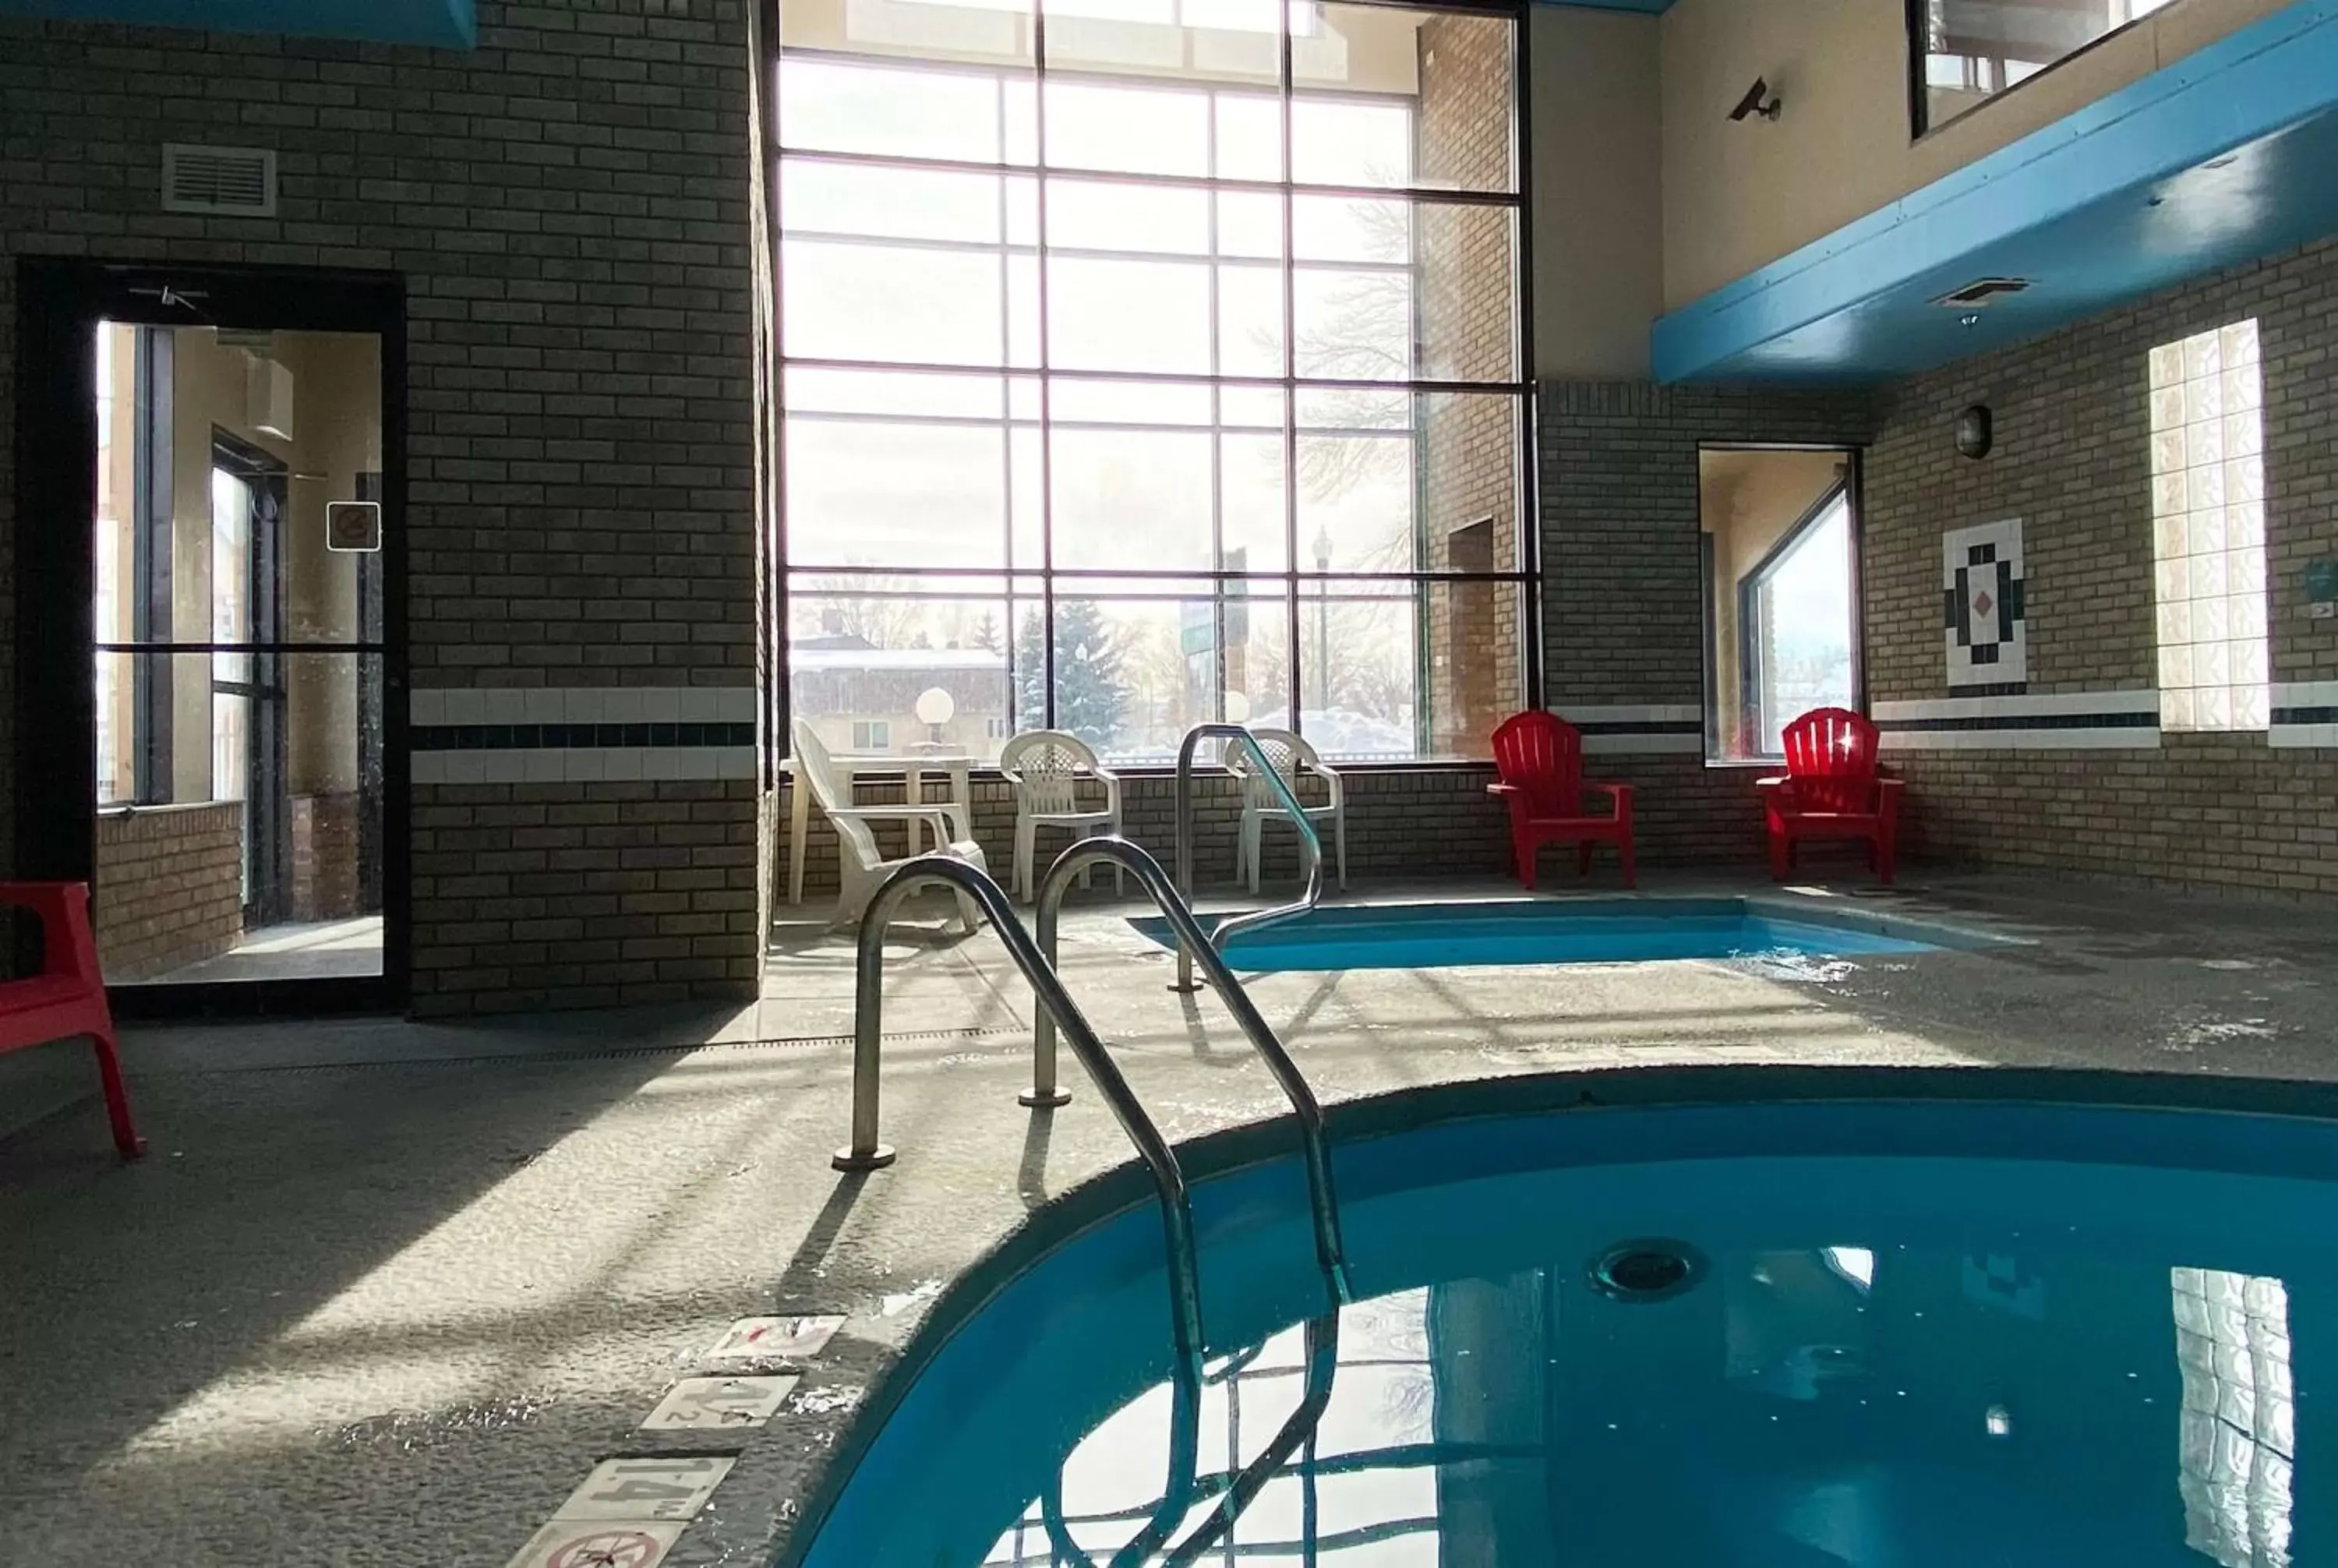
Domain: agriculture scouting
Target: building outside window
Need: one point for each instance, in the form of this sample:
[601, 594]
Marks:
[1147, 363]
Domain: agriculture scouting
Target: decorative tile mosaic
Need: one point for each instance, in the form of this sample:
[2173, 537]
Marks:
[1986, 622]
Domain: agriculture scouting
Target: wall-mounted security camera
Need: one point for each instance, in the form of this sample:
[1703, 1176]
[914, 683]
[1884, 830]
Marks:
[1753, 101]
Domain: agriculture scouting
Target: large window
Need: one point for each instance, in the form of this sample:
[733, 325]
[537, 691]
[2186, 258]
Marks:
[1965, 52]
[2208, 530]
[1148, 362]
[1780, 601]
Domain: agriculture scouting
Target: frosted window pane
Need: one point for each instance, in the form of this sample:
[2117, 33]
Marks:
[2207, 438]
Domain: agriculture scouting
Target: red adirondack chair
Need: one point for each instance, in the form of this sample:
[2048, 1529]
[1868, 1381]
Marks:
[1832, 789]
[67, 997]
[1540, 759]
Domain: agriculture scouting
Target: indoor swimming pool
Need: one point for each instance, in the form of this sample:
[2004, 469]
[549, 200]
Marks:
[1748, 1320]
[1567, 931]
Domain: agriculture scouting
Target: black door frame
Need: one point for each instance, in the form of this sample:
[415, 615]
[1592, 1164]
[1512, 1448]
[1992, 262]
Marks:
[267, 794]
[60, 303]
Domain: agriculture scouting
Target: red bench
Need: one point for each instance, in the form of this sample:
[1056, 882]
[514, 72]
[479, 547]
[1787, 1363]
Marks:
[68, 996]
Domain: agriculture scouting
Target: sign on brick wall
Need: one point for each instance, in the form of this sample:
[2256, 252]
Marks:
[1981, 585]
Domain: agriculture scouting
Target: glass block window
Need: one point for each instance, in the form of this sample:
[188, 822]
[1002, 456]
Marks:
[2209, 529]
[2238, 1436]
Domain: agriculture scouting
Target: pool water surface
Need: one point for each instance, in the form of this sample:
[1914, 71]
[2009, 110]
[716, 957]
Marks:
[1558, 931]
[1861, 1336]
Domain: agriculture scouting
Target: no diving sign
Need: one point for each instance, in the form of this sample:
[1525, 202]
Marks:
[775, 1338]
[565, 1543]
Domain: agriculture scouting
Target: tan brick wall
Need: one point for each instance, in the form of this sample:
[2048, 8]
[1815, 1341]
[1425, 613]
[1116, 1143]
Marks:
[325, 856]
[2072, 460]
[169, 888]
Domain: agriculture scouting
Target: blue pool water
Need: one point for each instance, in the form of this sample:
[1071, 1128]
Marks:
[1915, 1336]
[1438, 935]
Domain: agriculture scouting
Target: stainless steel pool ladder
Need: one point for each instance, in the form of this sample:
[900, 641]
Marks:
[1311, 843]
[1193, 945]
[866, 1153]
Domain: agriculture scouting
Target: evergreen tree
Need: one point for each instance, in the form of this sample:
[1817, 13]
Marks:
[1091, 688]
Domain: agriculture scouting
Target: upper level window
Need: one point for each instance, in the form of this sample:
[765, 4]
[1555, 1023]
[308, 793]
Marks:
[1969, 51]
[2209, 529]
[1149, 362]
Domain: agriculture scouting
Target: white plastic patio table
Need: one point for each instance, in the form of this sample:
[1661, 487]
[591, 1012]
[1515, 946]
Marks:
[912, 770]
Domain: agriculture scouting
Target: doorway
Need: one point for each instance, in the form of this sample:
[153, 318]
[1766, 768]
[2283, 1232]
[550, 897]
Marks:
[211, 713]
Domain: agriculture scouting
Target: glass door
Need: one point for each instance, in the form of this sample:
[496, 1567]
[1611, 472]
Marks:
[239, 709]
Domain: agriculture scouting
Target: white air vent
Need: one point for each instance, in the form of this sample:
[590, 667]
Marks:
[233, 181]
[1980, 291]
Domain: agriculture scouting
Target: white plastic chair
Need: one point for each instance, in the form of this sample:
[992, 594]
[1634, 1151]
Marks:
[858, 863]
[1291, 756]
[1046, 768]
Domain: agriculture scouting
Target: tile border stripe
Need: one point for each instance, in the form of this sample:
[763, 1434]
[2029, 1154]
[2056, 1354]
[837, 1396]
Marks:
[2125, 720]
[529, 737]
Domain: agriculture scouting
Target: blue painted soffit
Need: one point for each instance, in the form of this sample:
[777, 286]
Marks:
[444, 24]
[1645, 7]
[2229, 154]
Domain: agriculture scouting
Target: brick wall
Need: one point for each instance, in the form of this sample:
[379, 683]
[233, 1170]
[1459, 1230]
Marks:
[1622, 608]
[2072, 460]
[1468, 327]
[533, 895]
[169, 887]
[1623, 600]
[1401, 823]
[569, 206]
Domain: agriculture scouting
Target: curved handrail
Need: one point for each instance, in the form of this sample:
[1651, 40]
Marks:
[1305, 1106]
[866, 1153]
[1253, 919]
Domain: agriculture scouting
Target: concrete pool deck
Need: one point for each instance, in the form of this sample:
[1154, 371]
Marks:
[385, 1293]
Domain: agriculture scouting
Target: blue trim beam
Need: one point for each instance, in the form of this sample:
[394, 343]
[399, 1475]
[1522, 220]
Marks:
[438, 23]
[2112, 201]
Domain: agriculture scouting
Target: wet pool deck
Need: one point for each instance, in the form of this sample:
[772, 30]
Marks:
[385, 1293]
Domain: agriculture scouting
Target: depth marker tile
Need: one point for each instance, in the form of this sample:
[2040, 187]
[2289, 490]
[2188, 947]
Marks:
[647, 1488]
[719, 1404]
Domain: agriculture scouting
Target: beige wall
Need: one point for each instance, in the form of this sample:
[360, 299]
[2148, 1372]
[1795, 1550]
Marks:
[337, 396]
[1737, 196]
[1596, 205]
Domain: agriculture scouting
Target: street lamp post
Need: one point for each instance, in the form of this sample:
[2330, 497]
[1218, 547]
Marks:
[1323, 618]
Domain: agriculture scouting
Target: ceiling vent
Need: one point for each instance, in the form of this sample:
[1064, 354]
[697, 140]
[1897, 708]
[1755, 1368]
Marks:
[229, 182]
[1981, 291]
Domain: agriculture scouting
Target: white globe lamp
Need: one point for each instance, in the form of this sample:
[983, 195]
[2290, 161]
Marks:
[935, 708]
